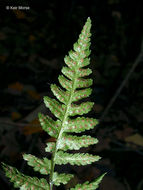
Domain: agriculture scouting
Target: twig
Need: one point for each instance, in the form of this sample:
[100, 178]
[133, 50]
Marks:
[125, 148]
[118, 91]
[17, 124]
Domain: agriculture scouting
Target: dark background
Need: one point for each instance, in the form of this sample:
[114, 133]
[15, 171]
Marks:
[33, 44]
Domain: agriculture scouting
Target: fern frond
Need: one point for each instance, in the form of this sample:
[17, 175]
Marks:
[71, 63]
[48, 125]
[74, 85]
[65, 83]
[80, 124]
[80, 94]
[55, 107]
[70, 142]
[50, 147]
[83, 83]
[61, 178]
[61, 95]
[75, 159]
[23, 181]
[69, 73]
[41, 165]
[81, 109]
[90, 186]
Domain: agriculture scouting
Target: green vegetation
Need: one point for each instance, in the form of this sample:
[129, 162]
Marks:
[67, 109]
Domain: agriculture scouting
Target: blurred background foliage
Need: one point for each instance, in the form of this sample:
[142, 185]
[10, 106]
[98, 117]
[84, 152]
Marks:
[33, 44]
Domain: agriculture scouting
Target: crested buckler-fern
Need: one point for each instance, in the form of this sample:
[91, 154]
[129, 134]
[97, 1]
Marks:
[75, 86]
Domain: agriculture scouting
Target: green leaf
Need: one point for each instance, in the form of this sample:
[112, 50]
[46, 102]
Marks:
[79, 94]
[83, 83]
[50, 147]
[74, 55]
[84, 62]
[75, 143]
[75, 159]
[70, 62]
[80, 124]
[81, 47]
[55, 107]
[48, 125]
[41, 165]
[84, 72]
[60, 94]
[81, 109]
[61, 178]
[90, 186]
[25, 182]
[68, 72]
[65, 83]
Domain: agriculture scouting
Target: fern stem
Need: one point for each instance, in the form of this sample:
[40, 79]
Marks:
[61, 132]
[51, 185]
